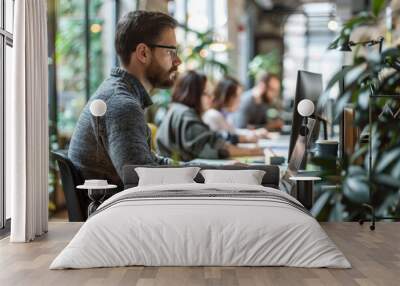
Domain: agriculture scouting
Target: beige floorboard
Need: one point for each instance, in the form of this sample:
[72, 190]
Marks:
[375, 257]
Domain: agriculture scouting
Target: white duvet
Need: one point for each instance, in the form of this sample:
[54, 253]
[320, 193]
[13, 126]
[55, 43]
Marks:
[188, 231]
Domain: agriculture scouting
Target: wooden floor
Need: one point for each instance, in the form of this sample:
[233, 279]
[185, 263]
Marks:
[375, 257]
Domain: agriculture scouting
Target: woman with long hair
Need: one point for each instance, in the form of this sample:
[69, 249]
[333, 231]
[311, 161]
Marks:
[226, 100]
[183, 135]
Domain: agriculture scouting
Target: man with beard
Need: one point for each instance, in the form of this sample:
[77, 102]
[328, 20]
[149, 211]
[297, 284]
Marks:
[254, 104]
[146, 45]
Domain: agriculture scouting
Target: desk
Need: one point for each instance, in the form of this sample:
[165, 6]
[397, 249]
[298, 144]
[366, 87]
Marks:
[249, 160]
[279, 147]
[276, 147]
[212, 162]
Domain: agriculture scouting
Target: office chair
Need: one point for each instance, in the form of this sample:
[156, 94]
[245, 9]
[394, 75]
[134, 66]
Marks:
[77, 201]
[153, 129]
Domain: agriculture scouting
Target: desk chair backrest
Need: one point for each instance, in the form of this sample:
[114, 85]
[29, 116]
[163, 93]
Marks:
[76, 200]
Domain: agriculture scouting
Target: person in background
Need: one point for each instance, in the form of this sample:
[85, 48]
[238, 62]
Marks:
[146, 46]
[183, 134]
[226, 100]
[255, 102]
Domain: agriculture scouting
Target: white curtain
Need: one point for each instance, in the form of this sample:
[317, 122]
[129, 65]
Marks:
[27, 123]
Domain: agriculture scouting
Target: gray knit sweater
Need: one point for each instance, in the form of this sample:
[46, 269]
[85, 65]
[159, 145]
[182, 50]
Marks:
[123, 135]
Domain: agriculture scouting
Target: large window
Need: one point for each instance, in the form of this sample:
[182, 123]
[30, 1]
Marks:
[307, 36]
[6, 43]
[203, 16]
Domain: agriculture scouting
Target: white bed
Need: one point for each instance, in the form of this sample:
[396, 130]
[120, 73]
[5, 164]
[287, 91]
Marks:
[223, 225]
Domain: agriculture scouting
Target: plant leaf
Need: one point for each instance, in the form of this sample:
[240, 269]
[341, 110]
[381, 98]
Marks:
[339, 75]
[321, 202]
[377, 6]
[337, 210]
[356, 189]
[359, 152]
[396, 170]
[389, 201]
[384, 180]
[334, 44]
[387, 159]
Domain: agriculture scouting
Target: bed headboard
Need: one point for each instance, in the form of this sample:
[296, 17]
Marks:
[270, 179]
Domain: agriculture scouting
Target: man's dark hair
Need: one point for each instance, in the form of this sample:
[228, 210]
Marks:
[266, 78]
[189, 88]
[140, 27]
[225, 90]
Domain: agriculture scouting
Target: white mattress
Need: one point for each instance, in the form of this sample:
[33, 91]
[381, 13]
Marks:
[202, 231]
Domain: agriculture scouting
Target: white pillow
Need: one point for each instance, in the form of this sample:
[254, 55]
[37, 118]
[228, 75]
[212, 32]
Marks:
[248, 177]
[166, 176]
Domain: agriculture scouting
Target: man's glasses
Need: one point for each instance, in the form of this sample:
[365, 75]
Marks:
[172, 50]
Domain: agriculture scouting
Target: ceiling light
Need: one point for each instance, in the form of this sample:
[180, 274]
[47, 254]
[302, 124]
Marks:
[333, 25]
[95, 28]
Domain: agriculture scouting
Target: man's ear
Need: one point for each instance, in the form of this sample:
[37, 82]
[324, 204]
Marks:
[142, 53]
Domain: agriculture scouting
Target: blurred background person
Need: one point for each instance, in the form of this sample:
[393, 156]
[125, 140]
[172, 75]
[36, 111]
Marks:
[183, 135]
[225, 101]
[254, 104]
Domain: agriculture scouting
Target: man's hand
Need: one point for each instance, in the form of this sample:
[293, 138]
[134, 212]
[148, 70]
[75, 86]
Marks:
[240, 164]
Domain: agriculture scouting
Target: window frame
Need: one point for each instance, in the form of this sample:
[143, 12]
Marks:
[6, 39]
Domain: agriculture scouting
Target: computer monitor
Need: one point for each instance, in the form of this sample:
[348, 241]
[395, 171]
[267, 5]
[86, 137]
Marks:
[297, 161]
[309, 86]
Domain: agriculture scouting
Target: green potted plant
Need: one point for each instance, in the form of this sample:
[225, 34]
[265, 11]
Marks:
[268, 62]
[356, 182]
